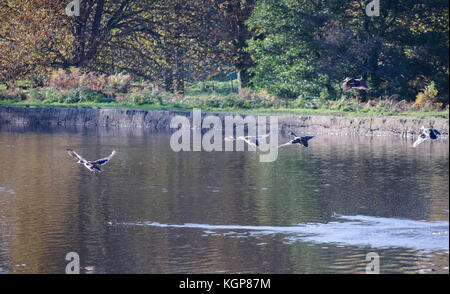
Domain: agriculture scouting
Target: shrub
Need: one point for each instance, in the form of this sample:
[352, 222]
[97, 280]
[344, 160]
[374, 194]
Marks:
[96, 82]
[15, 94]
[145, 97]
[212, 87]
[427, 98]
[227, 102]
[99, 98]
[35, 94]
[3, 95]
[62, 80]
[52, 95]
[120, 82]
[72, 97]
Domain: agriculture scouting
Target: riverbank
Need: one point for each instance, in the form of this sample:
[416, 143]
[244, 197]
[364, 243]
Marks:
[332, 123]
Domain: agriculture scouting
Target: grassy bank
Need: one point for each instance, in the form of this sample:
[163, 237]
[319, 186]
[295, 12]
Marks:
[272, 111]
[213, 96]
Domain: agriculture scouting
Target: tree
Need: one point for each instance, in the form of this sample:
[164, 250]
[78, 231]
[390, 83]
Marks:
[178, 41]
[235, 14]
[26, 30]
[309, 47]
[37, 34]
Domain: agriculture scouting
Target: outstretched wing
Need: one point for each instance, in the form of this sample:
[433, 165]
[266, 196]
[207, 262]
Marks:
[346, 85]
[76, 156]
[304, 140]
[434, 134]
[252, 141]
[420, 140]
[351, 83]
[287, 144]
[103, 160]
[255, 140]
[292, 134]
[256, 137]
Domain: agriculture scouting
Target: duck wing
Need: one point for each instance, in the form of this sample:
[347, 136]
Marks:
[346, 85]
[422, 138]
[292, 134]
[103, 160]
[255, 137]
[75, 155]
[304, 140]
[292, 142]
[434, 134]
[252, 141]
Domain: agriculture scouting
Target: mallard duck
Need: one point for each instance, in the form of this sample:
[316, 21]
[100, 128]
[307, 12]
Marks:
[297, 140]
[250, 140]
[426, 134]
[352, 83]
[93, 166]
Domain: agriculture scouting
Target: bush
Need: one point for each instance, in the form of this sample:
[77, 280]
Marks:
[52, 95]
[102, 99]
[120, 82]
[35, 94]
[62, 80]
[145, 97]
[72, 97]
[15, 94]
[427, 98]
[73, 79]
[3, 95]
[228, 102]
[213, 87]
[96, 83]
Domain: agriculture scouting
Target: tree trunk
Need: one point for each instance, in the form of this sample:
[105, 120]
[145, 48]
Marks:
[243, 78]
[168, 80]
[179, 85]
[179, 73]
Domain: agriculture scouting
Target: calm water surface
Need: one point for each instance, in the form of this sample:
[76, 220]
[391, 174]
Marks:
[316, 210]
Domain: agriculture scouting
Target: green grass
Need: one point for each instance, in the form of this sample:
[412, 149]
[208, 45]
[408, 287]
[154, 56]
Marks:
[441, 114]
[212, 96]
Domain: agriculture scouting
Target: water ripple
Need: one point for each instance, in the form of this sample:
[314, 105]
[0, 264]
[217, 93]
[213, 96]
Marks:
[358, 230]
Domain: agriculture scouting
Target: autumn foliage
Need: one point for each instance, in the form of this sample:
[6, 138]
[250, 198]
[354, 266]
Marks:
[293, 49]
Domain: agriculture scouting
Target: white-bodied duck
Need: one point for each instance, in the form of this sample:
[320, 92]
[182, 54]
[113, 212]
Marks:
[425, 135]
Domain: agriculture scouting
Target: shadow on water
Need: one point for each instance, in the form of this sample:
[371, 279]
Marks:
[315, 210]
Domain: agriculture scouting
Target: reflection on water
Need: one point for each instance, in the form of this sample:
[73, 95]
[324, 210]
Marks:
[316, 210]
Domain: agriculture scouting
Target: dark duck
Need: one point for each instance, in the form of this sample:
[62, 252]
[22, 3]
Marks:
[298, 140]
[93, 166]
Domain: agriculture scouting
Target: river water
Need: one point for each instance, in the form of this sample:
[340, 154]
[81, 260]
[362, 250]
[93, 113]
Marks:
[153, 210]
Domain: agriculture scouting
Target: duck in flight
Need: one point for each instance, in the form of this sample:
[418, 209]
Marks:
[298, 140]
[91, 165]
[254, 141]
[353, 83]
[426, 134]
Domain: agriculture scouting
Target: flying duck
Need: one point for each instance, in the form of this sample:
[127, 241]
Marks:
[352, 83]
[426, 134]
[298, 140]
[91, 165]
[250, 140]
